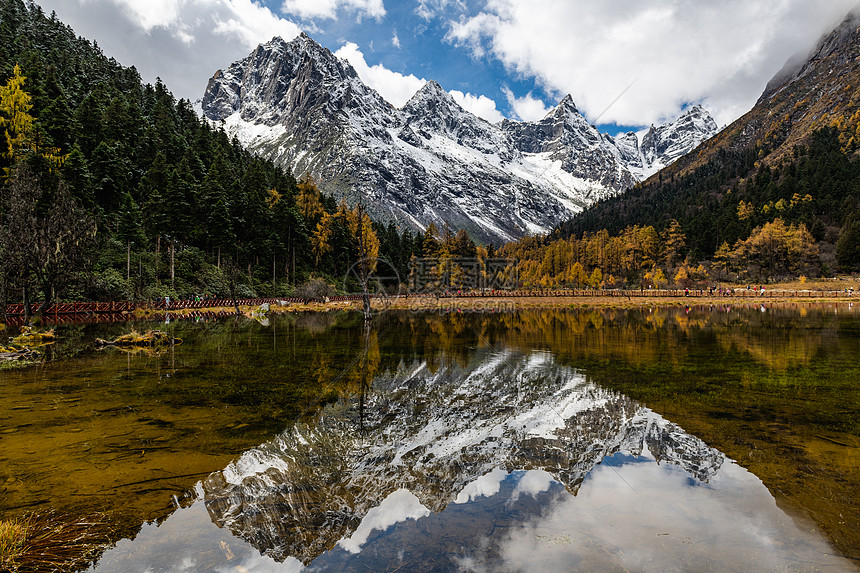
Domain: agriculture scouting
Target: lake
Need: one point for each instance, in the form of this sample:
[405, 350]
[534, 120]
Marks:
[671, 439]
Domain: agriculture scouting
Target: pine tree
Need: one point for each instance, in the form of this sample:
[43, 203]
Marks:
[848, 247]
[674, 243]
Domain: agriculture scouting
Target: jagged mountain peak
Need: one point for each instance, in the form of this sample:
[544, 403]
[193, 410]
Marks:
[663, 144]
[429, 161]
[430, 98]
[302, 46]
[566, 105]
[432, 87]
[567, 112]
[301, 42]
[696, 113]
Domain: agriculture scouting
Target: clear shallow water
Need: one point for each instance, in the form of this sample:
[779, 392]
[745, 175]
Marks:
[513, 463]
[580, 440]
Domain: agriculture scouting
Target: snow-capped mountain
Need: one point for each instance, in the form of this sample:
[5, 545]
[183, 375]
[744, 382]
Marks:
[664, 144]
[430, 161]
[436, 434]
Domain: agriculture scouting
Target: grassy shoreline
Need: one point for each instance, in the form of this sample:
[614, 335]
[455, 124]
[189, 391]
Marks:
[496, 303]
[507, 303]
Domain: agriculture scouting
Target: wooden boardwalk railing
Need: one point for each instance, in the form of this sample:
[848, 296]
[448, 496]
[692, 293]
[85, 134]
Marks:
[130, 306]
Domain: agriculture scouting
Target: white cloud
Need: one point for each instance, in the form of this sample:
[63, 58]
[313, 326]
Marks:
[480, 105]
[152, 13]
[328, 9]
[181, 41]
[395, 87]
[248, 21]
[526, 108]
[253, 23]
[429, 9]
[398, 88]
[395, 41]
[721, 54]
[399, 506]
[487, 485]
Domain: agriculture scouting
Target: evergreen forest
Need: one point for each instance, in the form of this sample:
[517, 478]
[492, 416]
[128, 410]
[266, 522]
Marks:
[112, 189]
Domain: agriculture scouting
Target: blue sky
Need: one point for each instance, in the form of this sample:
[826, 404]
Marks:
[499, 58]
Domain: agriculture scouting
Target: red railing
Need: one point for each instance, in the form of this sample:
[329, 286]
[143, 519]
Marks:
[18, 320]
[114, 307]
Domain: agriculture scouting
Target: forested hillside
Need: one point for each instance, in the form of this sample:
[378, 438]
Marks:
[113, 189]
[775, 195]
[729, 219]
[724, 200]
[793, 157]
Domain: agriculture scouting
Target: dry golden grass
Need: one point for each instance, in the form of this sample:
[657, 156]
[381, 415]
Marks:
[29, 338]
[13, 533]
[151, 339]
[50, 541]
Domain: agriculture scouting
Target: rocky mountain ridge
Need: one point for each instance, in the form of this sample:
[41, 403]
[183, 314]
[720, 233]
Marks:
[431, 160]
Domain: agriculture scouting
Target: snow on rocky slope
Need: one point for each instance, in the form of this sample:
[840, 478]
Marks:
[431, 161]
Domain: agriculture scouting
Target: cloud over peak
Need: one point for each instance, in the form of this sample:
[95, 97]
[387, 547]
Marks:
[678, 52]
[329, 9]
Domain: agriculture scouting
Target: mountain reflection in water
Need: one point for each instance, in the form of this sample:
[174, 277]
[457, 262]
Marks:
[511, 463]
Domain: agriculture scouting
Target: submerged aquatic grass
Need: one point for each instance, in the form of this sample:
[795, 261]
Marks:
[12, 535]
[51, 541]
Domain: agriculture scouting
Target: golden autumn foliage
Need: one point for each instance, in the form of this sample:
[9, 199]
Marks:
[572, 262]
[320, 240]
[773, 249]
[361, 228]
[17, 125]
[640, 257]
[309, 200]
[273, 198]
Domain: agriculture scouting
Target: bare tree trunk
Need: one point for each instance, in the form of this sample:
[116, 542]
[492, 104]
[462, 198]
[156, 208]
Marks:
[219, 257]
[157, 249]
[274, 271]
[172, 261]
[49, 296]
[128, 263]
[3, 298]
[362, 265]
[26, 295]
[233, 291]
